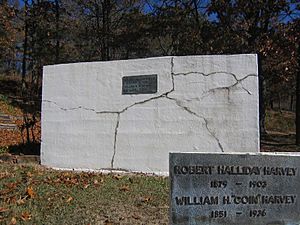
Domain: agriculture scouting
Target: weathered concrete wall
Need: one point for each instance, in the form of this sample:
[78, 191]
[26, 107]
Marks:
[203, 104]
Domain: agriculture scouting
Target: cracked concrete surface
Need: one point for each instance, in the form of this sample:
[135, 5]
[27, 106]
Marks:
[173, 94]
[115, 140]
[198, 116]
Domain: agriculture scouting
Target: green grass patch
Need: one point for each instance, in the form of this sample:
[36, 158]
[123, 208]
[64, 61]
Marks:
[4, 149]
[34, 195]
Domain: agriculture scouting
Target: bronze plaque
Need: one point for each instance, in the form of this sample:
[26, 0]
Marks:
[143, 84]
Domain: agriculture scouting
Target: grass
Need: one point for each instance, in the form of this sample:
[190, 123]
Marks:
[4, 149]
[31, 194]
[280, 121]
[7, 108]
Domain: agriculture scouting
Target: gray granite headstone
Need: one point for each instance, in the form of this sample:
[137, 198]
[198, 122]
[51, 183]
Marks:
[234, 189]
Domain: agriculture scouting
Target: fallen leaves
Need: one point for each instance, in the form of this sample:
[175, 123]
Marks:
[10, 199]
[86, 186]
[69, 199]
[29, 174]
[5, 191]
[108, 222]
[96, 182]
[135, 216]
[13, 221]
[4, 174]
[146, 199]
[26, 216]
[2, 209]
[10, 138]
[68, 178]
[21, 201]
[12, 195]
[117, 176]
[12, 185]
[56, 191]
[125, 188]
[30, 192]
[14, 137]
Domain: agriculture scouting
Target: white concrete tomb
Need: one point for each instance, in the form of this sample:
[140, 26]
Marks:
[192, 104]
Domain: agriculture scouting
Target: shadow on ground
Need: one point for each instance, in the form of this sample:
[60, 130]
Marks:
[32, 148]
[279, 142]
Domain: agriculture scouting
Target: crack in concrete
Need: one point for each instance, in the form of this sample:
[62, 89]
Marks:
[237, 81]
[115, 140]
[70, 109]
[185, 108]
[165, 95]
[172, 75]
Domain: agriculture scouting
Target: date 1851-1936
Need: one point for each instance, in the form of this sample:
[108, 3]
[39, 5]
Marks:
[253, 213]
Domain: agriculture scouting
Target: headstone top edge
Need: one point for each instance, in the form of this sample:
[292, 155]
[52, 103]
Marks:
[295, 154]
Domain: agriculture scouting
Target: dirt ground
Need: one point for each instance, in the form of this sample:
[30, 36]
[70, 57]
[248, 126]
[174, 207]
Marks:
[279, 142]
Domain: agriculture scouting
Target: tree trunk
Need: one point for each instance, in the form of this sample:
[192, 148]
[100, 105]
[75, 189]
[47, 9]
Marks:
[25, 117]
[262, 112]
[298, 99]
[292, 102]
[106, 28]
[196, 12]
[272, 104]
[24, 60]
[279, 102]
[24, 70]
[57, 31]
